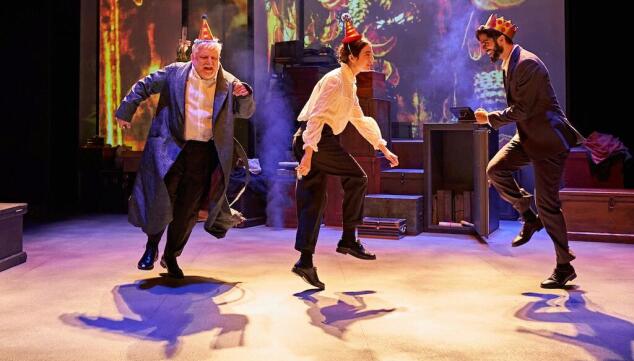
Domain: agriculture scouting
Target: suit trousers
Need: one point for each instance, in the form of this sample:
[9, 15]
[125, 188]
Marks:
[311, 197]
[548, 174]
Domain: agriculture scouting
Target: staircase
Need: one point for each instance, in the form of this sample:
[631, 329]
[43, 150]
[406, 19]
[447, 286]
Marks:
[401, 188]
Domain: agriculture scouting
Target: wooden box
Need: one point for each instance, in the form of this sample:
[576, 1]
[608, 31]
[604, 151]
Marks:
[409, 152]
[402, 181]
[408, 207]
[388, 228]
[605, 215]
[371, 84]
[11, 253]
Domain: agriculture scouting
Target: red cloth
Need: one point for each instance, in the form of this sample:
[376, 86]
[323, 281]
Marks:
[603, 146]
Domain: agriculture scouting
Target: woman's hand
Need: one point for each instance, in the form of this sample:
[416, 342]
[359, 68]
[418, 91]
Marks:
[304, 164]
[391, 157]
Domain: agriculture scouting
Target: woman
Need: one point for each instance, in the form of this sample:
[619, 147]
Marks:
[332, 104]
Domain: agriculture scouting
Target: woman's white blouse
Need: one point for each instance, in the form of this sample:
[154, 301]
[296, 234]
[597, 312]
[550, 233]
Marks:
[334, 102]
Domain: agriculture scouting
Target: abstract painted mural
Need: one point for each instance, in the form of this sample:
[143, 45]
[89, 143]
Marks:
[428, 51]
[136, 38]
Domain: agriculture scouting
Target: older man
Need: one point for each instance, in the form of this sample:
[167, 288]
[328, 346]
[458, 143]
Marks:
[191, 137]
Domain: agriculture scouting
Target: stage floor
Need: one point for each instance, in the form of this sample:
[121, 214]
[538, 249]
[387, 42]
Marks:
[79, 296]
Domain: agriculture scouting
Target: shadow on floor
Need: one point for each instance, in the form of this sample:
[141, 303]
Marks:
[164, 309]
[334, 316]
[596, 331]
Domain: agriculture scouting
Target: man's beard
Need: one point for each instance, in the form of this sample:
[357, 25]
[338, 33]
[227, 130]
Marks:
[497, 51]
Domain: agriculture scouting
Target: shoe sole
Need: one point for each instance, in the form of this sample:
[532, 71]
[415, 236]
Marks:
[517, 244]
[145, 268]
[302, 276]
[344, 250]
[561, 285]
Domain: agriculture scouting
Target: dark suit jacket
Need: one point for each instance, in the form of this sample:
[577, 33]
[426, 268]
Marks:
[542, 127]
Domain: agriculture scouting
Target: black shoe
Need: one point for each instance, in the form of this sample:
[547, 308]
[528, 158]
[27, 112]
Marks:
[560, 276]
[355, 249]
[527, 231]
[309, 274]
[172, 267]
[150, 256]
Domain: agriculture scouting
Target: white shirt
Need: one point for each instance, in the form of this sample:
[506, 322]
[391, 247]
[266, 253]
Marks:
[505, 62]
[334, 102]
[199, 107]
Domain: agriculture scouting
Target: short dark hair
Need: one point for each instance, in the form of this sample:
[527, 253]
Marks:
[491, 33]
[353, 48]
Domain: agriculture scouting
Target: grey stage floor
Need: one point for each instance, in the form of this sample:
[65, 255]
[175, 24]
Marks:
[429, 297]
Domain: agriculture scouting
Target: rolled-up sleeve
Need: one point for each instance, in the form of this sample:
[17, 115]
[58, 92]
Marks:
[367, 126]
[326, 107]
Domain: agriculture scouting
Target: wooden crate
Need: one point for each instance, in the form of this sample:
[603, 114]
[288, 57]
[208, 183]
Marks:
[605, 215]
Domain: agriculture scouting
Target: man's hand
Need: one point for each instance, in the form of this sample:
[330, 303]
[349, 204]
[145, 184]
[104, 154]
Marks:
[391, 157]
[482, 116]
[122, 123]
[239, 90]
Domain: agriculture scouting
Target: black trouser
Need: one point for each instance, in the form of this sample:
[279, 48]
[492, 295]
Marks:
[548, 173]
[331, 159]
[187, 182]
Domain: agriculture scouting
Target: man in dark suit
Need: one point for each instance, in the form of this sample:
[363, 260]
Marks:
[544, 137]
[191, 137]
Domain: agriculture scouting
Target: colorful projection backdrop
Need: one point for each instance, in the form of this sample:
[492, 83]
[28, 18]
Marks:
[428, 50]
[138, 37]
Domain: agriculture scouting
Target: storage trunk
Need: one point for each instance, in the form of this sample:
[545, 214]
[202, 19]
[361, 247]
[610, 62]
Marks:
[601, 214]
[389, 228]
[408, 207]
[402, 181]
[11, 253]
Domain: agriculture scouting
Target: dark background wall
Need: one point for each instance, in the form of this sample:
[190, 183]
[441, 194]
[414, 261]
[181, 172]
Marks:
[599, 72]
[40, 103]
[39, 137]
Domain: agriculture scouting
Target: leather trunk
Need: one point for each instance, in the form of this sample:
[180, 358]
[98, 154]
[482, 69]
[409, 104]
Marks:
[605, 215]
